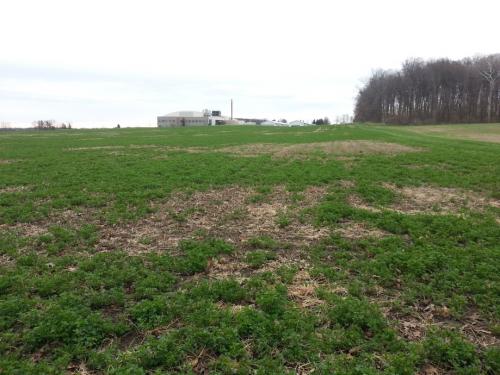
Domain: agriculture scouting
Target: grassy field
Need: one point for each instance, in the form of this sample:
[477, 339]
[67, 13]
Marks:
[248, 250]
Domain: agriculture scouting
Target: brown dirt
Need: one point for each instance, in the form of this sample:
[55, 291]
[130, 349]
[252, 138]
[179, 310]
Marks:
[348, 161]
[6, 261]
[143, 146]
[228, 267]
[495, 138]
[291, 151]
[94, 148]
[235, 267]
[26, 229]
[91, 148]
[418, 319]
[429, 369]
[437, 166]
[63, 218]
[303, 290]
[329, 148]
[79, 369]
[415, 326]
[440, 199]
[6, 161]
[13, 189]
[116, 153]
[355, 231]
[429, 199]
[224, 213]
[356, 201]
[347, 184]
[483, 133]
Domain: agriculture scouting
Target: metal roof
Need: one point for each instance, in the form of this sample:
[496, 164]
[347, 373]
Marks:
[185, 114]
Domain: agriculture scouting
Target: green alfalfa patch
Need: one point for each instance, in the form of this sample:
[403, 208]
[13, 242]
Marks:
[59, 239]
[450, 351]
[257, 258]
[70, 324]
[375, 194]
[195, 255]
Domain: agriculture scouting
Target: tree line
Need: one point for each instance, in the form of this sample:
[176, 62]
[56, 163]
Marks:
[321, 121]
[50, 125]
[436, 91]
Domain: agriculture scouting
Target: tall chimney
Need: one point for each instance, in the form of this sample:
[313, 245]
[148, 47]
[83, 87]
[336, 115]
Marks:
[231, 109]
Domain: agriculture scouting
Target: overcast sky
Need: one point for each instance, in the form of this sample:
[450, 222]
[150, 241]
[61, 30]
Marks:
[99, 63]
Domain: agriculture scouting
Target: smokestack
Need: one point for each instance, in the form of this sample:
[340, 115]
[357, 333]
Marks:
[231, 109]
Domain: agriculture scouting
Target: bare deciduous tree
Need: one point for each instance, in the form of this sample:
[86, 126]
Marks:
[437, 91]
[44, 124]
[490, 71]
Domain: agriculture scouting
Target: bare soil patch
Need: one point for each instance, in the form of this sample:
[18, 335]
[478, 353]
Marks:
[234, 266]
[7, 161]
[437, 166]
[303, 290]
[483, 132]
[91, 148]
[429, 199]
[346, 184]
[419, 319]
[416, 199]
[13, 189]
[414, 327]
[356, 231]
[224, 213]
[348, 161]
[6, 261]
[495, 138]
[118, 147]
[357, 202]
[67, 218]
[25, 229]
[329, 148]
[116, 153]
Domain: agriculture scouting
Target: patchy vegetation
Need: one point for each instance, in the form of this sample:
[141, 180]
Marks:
[305, 150]
[151, 251]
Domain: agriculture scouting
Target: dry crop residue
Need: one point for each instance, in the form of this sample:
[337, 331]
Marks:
[96, 148]
[416, 199]
[303, 290]
[13, 189]
[355, 231]
[418, 319]
[223, 213]
[227, 213]
[330, 148]
[430, 199]
[6, 161]
[92, 148]
[414, 327]
[484, 133]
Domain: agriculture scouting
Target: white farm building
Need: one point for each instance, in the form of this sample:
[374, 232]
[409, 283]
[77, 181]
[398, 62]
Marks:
[194, 118]
[187, 118]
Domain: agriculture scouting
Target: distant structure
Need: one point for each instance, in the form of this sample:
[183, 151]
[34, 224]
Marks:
[273, 123]
[207, 117]
[288, 124]
[181, 119]
[298, 123]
